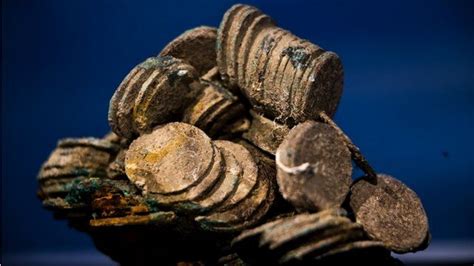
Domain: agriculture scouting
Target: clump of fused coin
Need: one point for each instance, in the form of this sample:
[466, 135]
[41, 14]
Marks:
[233, 191]
[313, 167]
[154, 92]
[284, 77]
[165, 89]
[72, 160]
[213, 109]
[390, 212]
[251, 200]
[225, 140]
[170, 159]
[306, 238]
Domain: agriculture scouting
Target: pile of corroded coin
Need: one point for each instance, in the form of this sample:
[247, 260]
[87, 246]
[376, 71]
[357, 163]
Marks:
[223, 151]
[318, 237]
[72, 161]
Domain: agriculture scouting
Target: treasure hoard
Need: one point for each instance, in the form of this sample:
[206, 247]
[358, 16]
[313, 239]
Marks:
[223, 151]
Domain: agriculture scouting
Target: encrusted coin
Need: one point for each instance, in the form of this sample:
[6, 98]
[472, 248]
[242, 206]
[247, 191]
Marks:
[314, 167]
[390, 212]
[170, 159]
[195, 46]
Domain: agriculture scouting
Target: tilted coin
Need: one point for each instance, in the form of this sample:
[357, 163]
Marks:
[163, 96]
[196, 46]
[213, 108]
[390, 212]
[116, 169]
[314, 167]
[154, 92]
[265, 133]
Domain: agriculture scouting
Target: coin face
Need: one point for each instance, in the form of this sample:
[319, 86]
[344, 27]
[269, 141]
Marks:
[169, 159]
[390, 212]
[163, 96]
[314, 167]
[200, 190]
[196, 46]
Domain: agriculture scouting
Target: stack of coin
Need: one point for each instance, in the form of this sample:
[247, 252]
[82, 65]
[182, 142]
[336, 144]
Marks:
[182, 169]
[286, 78]
[154, 92]
[306, 238]
[214, 109]
[113, 202]
[165, 89]
[72, 161]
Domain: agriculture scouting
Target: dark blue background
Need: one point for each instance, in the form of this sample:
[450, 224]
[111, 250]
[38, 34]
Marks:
[408, 100]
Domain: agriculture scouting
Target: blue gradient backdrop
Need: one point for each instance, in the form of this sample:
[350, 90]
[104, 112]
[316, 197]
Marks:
[408, 96]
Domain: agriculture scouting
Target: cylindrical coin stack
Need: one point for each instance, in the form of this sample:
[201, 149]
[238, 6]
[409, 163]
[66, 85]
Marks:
[72, 161]
[283, 76]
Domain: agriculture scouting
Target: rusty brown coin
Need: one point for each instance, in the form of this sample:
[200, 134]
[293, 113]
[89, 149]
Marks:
[314, 167]
[196, 46]
[390, 212]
